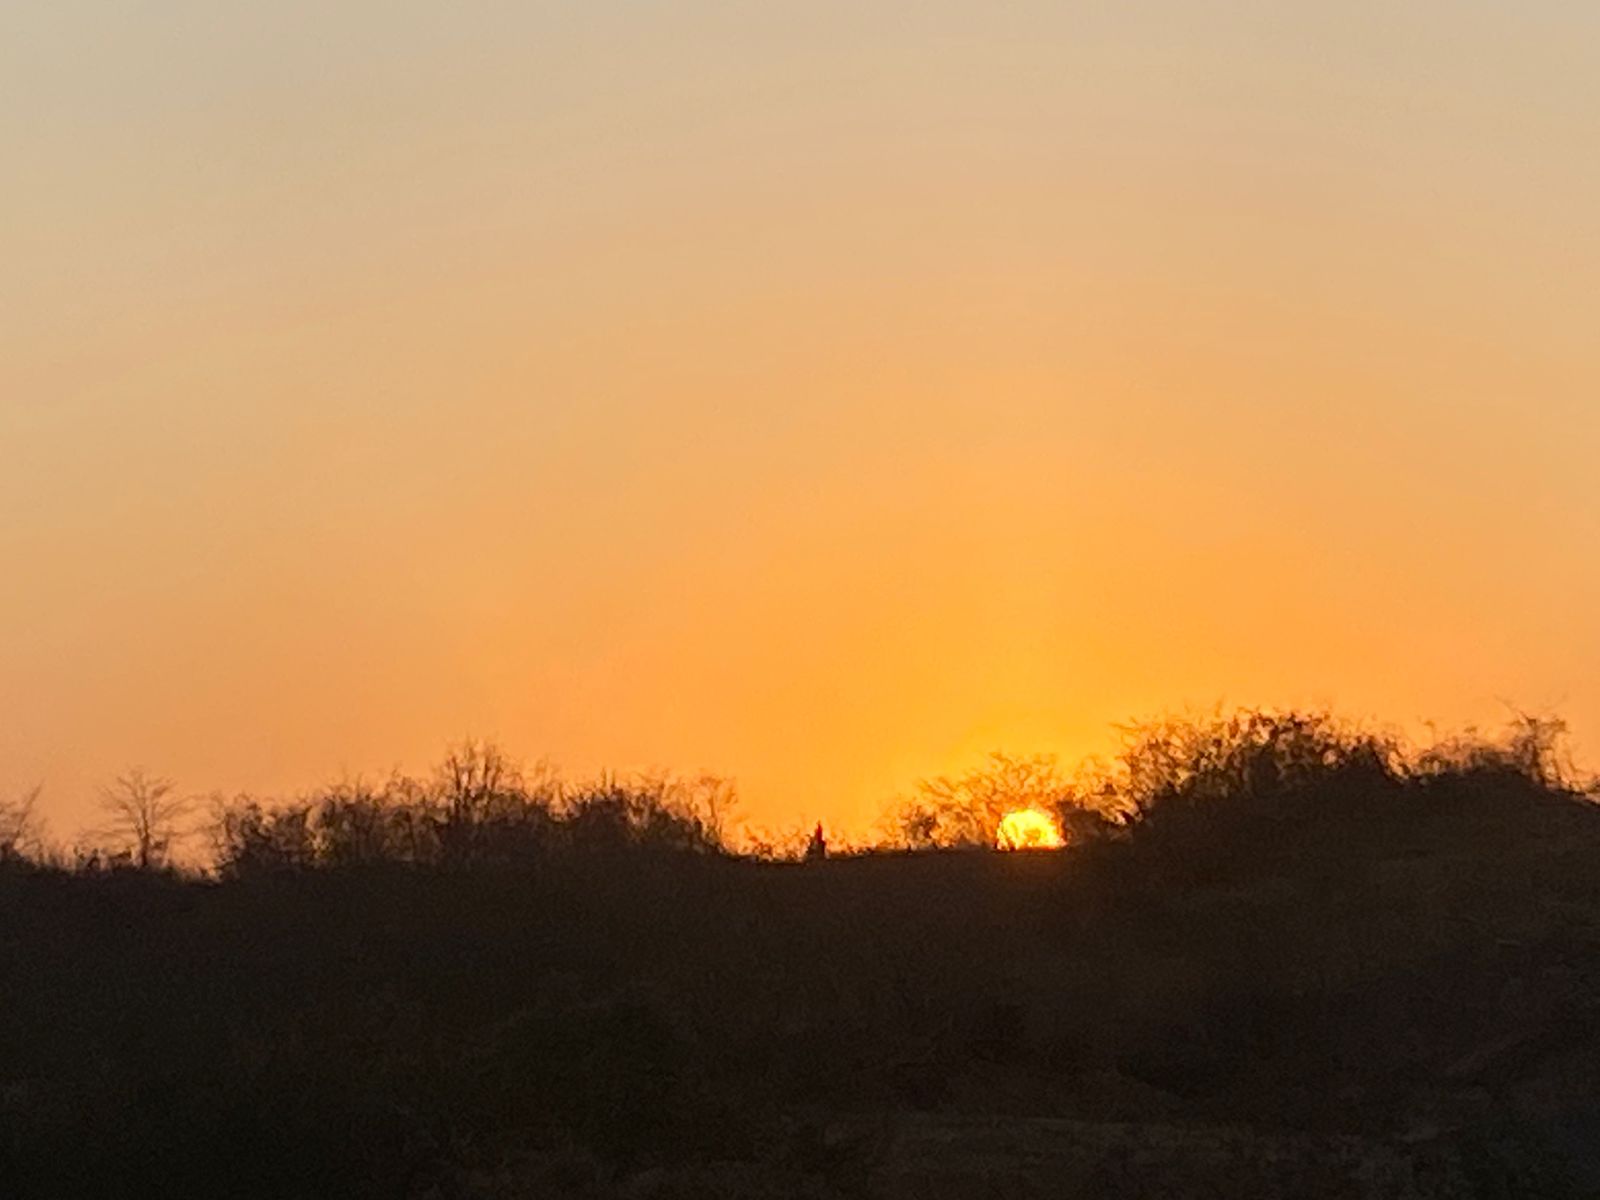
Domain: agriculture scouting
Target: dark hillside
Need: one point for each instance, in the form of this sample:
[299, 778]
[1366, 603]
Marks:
[1366, 972]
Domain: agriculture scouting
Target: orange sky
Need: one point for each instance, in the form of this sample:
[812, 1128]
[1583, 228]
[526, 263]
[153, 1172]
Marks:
[823, 393]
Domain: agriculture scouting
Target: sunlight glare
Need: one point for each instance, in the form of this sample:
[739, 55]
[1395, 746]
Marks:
[1028, 829]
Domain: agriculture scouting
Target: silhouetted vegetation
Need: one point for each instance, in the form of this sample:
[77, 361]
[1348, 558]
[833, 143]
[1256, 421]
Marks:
[479, 811]
[1280, 956]
[144, 818]
[18, 825]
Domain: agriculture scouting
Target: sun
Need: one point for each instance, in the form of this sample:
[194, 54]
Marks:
[1028, 829]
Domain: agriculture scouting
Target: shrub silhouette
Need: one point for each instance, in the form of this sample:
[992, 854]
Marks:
[965, 810]
[1249, 756]
[251, 838]
[655, 814]
[19, 826]
[478, 810]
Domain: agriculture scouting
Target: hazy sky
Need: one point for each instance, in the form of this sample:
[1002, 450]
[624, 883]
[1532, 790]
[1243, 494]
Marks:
[822, 393]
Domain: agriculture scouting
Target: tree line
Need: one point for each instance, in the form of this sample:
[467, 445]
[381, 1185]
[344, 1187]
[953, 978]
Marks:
[480, 807]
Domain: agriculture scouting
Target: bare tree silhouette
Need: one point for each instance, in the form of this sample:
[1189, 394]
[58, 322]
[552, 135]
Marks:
[144, 816]
[475, 778]
[965, 810]
[19, 826]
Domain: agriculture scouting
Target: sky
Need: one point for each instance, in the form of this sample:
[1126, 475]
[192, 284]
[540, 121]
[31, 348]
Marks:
[823, 394]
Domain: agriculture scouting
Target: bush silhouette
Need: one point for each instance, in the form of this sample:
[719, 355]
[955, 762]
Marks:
[479, 810]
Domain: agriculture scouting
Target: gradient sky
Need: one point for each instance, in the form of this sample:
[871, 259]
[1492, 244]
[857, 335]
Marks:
[821, 393]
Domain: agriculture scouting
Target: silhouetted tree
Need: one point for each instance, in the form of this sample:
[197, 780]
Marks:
[655, 813]
[145, 817]
[711, 801]
[251, 838]
[19, 824]
[485, 808]
[358, 824]
[473, 780]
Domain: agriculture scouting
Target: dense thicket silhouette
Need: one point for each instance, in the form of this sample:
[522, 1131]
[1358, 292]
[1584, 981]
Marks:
[1280, 956]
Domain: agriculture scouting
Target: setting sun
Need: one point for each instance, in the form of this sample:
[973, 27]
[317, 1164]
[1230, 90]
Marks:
[799, 598]
[1028, 829]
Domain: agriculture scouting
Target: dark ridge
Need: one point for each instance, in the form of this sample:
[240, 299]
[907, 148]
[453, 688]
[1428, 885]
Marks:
[1280, 957]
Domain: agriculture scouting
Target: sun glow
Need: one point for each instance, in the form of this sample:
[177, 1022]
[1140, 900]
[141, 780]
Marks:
[1028, 829]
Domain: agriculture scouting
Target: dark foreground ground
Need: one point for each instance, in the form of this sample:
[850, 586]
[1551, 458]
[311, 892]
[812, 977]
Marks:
[1390, 995]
